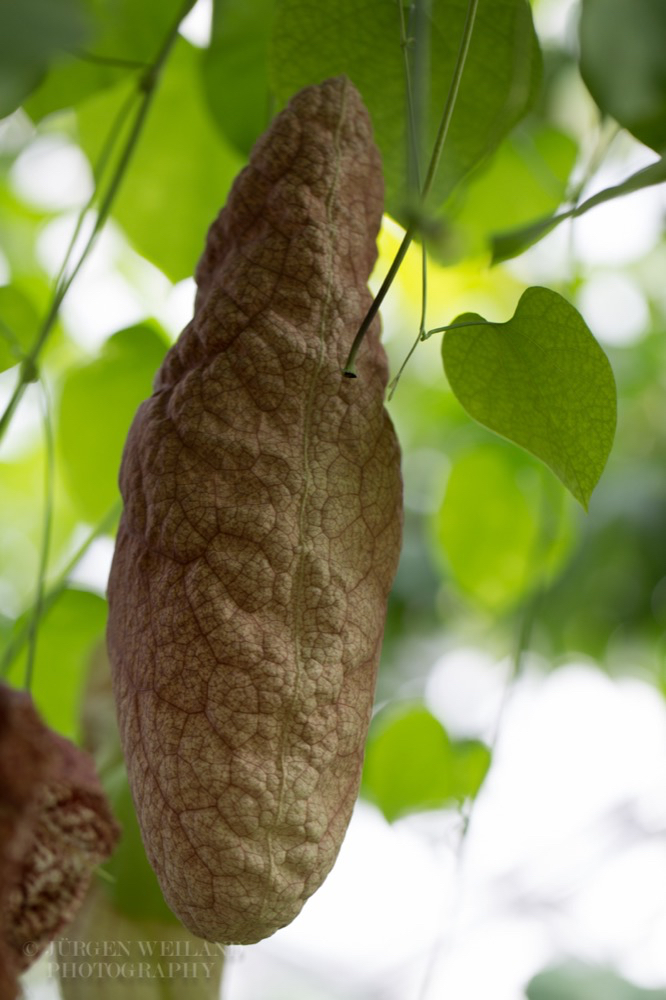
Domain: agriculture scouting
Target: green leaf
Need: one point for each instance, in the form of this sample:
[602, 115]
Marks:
[235, 71]
[130, 883]
[123, 30]
[542, 381]
[22, 482]
[622, 45]
[34, 32]
[18, 325]
[469, 767]
[97, 405]
[180, 173]
[67, 634]
[525, 179]
[134, 889]
[577, 981]
[315, 39]
[411, 764]
[498, 551]
[127, 30]
[506, 245]
[71, 81]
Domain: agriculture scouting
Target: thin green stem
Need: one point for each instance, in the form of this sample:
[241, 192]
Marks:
[420, 24]
[455, 326]
[146, 86]
[98, 172]
[112, 61]
[442, 132]
[451, 97]
[421, 335]
[349, 369]
[424, 289]
[606, 135]
[22, 636]
[14, 400]
[38, 606]
[467, 808]
[413, 143]
[549, 529]
[415, 147]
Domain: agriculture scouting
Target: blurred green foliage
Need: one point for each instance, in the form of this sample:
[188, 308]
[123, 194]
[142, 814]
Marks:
[114, 383]
[68, 630]
[503, 530]
[622, 61]
[235, 70]
[33, 34]
[411, 764]
[576, 981]
[182, 169]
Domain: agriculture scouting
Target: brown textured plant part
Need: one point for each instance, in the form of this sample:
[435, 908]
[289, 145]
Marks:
[260, 538]
[55, 827]
[23, 765]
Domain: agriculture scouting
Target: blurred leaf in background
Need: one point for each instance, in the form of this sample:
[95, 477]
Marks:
[97, 405]
[22, 524]
[502, 532]
[622, 44]
[235, 70]
[525, 179]
[125, 37]
[130, 886]
[181, 171]
[412, 765]
[18, 322]
[35, 33]
[576, 981]
[68, 631]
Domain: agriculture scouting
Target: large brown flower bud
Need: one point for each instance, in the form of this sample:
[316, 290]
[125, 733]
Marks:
[260, 537]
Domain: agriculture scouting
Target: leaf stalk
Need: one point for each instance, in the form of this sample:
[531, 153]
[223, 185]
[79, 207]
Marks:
[440, 140]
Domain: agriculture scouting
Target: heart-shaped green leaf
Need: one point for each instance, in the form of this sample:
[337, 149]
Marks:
[411, 764]
[313, 39]
[542, 381]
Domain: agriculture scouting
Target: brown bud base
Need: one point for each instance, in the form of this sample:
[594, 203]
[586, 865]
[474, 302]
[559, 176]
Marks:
[260, 537]
[55, 828]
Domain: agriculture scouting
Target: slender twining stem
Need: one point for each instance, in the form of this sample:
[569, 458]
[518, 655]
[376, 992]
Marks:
[422, 333]
[377, 301]
[468, 807]
[37, 608]
[99, 170]
[420, 28]
[111, 61]
[550, 527]
[440, 140]
[147, 86]
[451, 98]
[414, 144]
[105, 527]
[456, 326]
